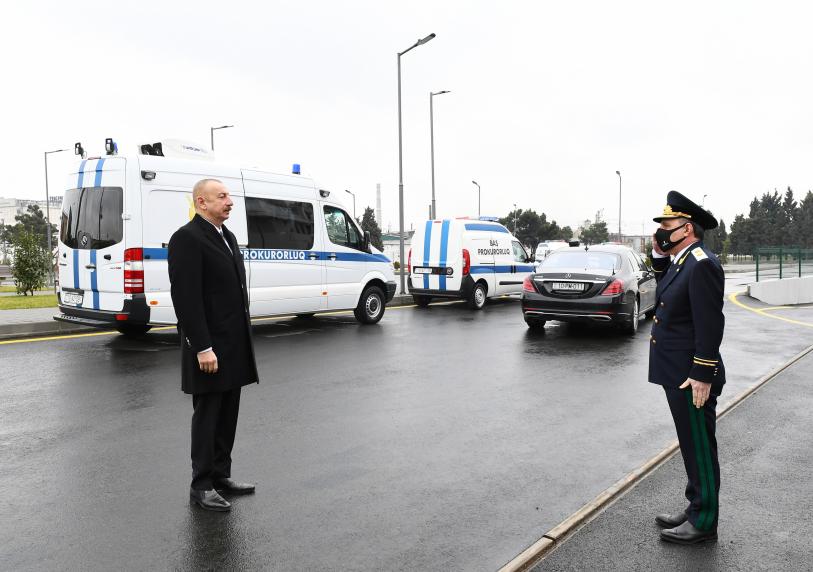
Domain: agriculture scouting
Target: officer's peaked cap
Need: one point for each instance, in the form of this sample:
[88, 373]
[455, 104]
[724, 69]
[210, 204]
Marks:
[678, 206]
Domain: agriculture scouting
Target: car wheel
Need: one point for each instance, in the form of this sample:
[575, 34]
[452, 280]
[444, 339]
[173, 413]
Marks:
[535, 325]
[631, 325]
[371, 306]
[422, 301]
[477, 298]
[133, 330]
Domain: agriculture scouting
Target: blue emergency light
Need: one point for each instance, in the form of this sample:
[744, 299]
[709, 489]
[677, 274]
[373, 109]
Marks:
[296, 170]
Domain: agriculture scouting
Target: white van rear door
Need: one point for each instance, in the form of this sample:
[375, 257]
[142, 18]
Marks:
[92, 236]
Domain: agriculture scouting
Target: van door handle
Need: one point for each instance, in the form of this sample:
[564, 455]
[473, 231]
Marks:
[107, 257]
[313, 256]
[331, 256]
[90, 266]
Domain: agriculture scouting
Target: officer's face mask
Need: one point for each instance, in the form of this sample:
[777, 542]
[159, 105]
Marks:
[664, 237]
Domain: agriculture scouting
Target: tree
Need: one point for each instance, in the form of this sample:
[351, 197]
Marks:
[30, 263]
[566, 233]
[369, 224]
[33, 221]
[595, 232]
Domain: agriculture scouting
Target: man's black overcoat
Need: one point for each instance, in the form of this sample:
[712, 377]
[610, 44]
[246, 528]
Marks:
[209, 293]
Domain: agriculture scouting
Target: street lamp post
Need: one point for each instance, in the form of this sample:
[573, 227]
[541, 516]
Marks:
[478, 198]
[515, 219]
[48, 215]
[401, 162]
[212, 133]
[433, 214]
[619, 204]
[354, 201]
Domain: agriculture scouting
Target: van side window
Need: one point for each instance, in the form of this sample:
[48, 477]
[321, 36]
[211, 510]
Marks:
[91, 218]
[273, 223]
[519, 253]
[341, 230]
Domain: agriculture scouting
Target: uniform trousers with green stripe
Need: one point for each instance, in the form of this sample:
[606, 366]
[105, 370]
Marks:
[698, 445]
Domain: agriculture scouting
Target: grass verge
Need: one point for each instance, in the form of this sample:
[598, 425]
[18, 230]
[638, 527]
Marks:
[25, 302]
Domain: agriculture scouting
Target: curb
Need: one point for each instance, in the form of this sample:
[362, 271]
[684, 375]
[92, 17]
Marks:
[537, 551]
[54, 328]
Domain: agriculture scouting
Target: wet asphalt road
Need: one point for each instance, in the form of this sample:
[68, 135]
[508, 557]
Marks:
[441, 438]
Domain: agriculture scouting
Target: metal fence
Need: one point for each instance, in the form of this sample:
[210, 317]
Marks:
[778, 262]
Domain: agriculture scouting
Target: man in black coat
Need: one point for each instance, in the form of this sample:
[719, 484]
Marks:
[684, 357]
[208, 287]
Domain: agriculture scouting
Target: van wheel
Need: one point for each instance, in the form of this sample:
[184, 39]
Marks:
[133, 330]
[477, 298]
[535, 324]
[371, 306]
[422, 301]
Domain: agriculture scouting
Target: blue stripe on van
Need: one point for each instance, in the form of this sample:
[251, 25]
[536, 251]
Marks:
[98, 181]
[487, 227]
[444, 251]
[427, 243]
[75, 268]
[94, 281]
[264, 255]
[81, 178]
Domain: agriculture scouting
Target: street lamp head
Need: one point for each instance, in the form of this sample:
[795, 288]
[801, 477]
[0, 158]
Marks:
[424, 40]
[475, 182]
[618, 173]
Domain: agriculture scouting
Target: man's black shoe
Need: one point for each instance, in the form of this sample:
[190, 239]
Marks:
[686, 533]
[209, 500]
[233, 487]
[671, 520]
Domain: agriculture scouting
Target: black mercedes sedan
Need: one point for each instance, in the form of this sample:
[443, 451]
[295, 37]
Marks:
[607, 283]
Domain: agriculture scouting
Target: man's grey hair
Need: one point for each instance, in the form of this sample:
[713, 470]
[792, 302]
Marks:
[699, 231]
[199, 187]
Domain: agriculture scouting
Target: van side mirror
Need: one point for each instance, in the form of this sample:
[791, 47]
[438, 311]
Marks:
[367, 240]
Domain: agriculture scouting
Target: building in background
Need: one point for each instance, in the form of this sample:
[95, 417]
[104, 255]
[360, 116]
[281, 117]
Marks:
[392, 244]
[10, 208]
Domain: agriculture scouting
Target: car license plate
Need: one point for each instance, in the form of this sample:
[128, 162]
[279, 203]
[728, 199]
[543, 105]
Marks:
[422, 270]
[73, 298]
[568, 286]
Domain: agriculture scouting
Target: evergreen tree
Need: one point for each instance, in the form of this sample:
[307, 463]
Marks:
[369, 224]
[33, 221]
[30, 263]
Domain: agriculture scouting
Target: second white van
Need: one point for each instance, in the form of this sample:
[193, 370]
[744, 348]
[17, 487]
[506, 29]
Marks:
[464, 258]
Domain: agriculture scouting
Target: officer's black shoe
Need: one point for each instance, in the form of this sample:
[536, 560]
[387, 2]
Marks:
[671, 520]
[686, 533]
[209, 500]
[233, 487]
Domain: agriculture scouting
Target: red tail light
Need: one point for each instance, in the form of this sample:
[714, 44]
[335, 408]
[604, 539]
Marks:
[409, 262]
[466, 262]
[615, 288]
[528, 285]
[134, 271]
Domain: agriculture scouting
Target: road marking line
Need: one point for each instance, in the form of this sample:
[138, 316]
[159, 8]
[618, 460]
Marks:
[762, 311]
[164, 328]
[537, 551]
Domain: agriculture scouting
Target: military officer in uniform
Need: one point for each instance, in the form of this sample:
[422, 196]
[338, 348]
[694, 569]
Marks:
[208, 288]
[684, 357]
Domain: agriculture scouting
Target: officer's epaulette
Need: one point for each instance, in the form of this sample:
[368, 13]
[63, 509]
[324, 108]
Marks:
[699, 254]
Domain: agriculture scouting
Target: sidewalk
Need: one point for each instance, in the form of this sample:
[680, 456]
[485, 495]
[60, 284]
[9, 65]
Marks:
[766, 497]
[40, 322]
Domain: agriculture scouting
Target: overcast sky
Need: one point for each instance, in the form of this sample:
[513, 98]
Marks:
[548, 99]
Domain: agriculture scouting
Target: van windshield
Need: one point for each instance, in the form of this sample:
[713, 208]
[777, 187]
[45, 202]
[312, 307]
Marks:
[589, 260]
[91, 218]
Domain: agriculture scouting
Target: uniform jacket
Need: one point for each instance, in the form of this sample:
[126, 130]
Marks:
[688, 325]
[208, 288]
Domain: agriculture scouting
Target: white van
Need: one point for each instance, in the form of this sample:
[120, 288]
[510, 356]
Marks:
[544, 248]
[464, 258]
[303, 253]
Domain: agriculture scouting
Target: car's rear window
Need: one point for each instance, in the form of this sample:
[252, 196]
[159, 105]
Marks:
[582, 259]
